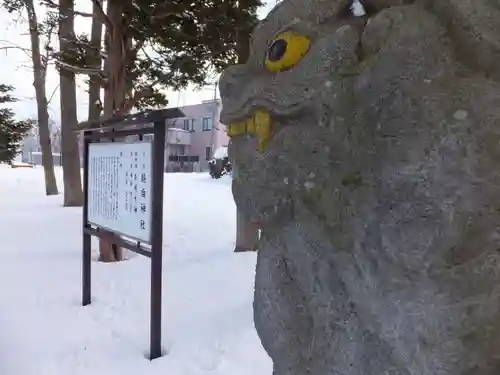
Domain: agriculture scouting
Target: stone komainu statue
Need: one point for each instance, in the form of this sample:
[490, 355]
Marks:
[368, 150]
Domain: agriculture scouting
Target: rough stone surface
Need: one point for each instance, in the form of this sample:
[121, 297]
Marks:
[379, 194]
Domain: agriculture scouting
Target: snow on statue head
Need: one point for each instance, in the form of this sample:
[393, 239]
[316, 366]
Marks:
[368, 151]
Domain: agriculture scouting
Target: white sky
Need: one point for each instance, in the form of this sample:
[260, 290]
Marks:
[16, 70]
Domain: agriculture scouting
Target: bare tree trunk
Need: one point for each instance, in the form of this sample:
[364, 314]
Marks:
[116, 64]
[39, 75]
[247, 234]
[73, 195]
[114, 95]
[108, 250]
[95, 106]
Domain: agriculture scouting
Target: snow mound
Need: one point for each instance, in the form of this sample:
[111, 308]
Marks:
[207, 296]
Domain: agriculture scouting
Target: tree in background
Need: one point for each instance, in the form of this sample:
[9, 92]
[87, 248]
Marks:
[12, 132]
[94, 59]
[40, 65]
[73, 195]
[151, 46]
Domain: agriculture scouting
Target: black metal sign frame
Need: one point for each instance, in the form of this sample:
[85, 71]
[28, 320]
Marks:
[139, 124]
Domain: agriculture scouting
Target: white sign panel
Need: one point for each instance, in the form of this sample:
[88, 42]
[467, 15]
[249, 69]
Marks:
[119, 189]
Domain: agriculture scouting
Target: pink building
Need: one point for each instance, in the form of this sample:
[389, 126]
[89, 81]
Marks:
[194, 137]
[198, 134]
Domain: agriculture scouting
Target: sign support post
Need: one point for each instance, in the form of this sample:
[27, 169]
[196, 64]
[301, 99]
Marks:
[123, 194]
[87, 239]
[157, 240]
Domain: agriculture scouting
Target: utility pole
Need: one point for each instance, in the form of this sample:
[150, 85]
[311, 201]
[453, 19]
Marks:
[215, 111]
[216, 86]
[178, 98]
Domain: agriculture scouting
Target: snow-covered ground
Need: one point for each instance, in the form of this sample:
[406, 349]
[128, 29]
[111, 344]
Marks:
[207, 309]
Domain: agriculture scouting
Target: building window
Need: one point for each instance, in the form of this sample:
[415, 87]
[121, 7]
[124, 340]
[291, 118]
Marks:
[186, 124]
[172, 123]
[208, 152]
[181, 150]
[193, 121]
[207, 124]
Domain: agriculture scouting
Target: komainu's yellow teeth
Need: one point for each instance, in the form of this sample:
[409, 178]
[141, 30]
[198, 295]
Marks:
[251, 128]
[236, 129]
[259, 125]
[263, 124]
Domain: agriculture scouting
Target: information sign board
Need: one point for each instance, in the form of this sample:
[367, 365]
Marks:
[119, 190]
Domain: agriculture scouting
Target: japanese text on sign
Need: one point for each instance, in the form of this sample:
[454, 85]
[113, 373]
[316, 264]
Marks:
[119, 189]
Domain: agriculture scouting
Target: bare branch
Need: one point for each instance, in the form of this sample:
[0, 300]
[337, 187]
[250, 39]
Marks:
[130, 103]
[80, 70]
[26, 66]
[52, 4]
[26, 51]
[132, 52]
[157, 14]
[102, 14]
[82, 14]
[162, 16]
[53, 93]
[45, 59]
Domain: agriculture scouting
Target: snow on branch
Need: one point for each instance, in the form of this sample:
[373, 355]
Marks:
[80, 70]
[54, 5]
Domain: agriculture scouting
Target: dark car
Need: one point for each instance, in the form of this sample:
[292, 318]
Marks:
[219, 167]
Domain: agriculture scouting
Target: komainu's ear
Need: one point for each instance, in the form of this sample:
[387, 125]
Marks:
[377, 5]
[357, 8]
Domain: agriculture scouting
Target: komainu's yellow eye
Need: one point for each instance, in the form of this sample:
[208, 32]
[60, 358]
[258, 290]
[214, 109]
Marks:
[286, 51]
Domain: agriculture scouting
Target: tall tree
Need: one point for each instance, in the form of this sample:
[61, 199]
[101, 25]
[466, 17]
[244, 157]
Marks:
[70, 152]
[150, 46]
[95, 104]
[39, 62]
[247, 233]
[11, 131]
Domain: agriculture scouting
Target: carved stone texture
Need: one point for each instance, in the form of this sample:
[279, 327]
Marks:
[247, 234]
[379, 193]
